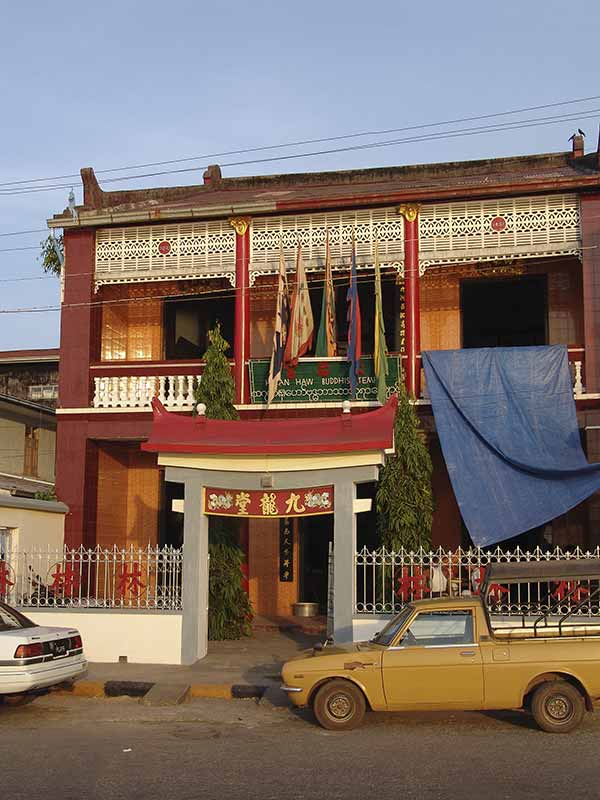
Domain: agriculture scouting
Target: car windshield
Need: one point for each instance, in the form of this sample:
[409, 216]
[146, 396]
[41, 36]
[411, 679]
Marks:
[11, 619]
[388, 634]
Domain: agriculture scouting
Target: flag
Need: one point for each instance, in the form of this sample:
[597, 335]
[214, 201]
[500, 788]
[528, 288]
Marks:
[354, 328]
[381, 364]
[327, 338]
[301, 318]
[280, 334]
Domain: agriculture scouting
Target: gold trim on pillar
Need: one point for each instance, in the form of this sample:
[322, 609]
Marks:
[240, 224]
[409, 211]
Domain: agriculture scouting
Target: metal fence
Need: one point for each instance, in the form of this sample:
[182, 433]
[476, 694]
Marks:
[386, 581]
[142, 578]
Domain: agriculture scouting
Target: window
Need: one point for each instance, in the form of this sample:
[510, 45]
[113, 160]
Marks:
[187, 323]
[10, 619]
[48, 391]
[439, 629]
[32, 443]
[5, 543]
[131, 331]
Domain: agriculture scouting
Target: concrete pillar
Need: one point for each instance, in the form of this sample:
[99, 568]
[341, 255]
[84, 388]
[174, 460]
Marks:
[194, 644]
[344, 573]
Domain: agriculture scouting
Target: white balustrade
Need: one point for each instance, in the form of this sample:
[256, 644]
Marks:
[137, 391]
[577, 378]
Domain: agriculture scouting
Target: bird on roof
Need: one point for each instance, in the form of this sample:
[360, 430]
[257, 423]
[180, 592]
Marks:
[580, 132]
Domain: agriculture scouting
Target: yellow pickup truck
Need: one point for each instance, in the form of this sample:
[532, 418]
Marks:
[446, 653]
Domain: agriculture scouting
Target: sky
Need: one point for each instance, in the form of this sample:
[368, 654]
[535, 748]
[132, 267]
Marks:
[118, 83]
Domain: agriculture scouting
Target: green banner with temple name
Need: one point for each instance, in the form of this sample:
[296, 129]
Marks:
[321, 381]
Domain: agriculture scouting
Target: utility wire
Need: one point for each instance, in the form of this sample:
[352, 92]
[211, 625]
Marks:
[303, 142]
[516, 125]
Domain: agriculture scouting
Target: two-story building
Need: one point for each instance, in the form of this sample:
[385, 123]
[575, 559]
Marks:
[501, 252]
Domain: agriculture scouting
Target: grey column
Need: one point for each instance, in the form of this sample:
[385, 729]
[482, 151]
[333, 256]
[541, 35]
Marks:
[194, 639]
[344, 547]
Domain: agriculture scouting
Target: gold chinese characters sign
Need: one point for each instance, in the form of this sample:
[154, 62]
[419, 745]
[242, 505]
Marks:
[268, 502]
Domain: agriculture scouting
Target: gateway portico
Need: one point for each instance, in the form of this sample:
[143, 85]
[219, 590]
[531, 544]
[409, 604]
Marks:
[269, 470]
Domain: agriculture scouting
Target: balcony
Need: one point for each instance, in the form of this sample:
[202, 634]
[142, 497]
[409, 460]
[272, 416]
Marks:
[132, 386]
[129, 385]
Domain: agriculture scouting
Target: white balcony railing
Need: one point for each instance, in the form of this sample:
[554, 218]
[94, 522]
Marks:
[137, 391]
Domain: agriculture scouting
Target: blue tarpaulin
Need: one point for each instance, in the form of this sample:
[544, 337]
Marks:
[508, 429]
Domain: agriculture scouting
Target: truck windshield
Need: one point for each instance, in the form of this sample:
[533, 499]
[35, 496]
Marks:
[387, 635]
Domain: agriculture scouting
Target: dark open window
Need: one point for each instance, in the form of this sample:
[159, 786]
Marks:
[504, 312]
[188, 321]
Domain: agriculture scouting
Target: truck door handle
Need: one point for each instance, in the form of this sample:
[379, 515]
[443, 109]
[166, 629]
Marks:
[467, 653]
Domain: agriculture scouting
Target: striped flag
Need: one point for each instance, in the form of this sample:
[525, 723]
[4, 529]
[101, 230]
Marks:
[354, 328]
[381, 363]
[280, 334]
[327, 336]
[302, 325]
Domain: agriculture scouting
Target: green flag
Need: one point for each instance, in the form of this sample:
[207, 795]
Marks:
[326, 338]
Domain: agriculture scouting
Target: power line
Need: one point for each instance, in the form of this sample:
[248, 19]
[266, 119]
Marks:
[499, 127]
[21, 233]
[303, 142]
[267, 291]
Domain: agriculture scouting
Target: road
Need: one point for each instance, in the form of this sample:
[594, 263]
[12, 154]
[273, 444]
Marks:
[59, 747]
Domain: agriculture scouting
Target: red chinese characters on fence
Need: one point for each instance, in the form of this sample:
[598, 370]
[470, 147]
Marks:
[6, 573]
[268, 502]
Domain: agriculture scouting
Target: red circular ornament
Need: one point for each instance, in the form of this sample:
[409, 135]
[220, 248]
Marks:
[498, 224]
[164, 248]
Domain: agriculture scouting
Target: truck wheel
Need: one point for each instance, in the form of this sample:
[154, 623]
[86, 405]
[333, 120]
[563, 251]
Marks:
[557, 707]
[339, 706]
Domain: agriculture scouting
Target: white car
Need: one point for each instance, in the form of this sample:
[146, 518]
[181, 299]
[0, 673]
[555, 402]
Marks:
[34, 656]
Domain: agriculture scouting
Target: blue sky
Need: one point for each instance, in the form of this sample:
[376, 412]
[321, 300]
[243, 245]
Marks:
[117, 83]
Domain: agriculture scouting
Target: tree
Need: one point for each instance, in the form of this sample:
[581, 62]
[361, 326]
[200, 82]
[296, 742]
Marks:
[404, 498]
[229, 609]
[50, 259]
[217, 389]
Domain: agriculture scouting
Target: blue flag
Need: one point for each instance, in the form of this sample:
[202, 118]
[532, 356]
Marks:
[354, 328]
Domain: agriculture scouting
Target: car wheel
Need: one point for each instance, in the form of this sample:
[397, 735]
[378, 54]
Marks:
[557, 707]
[339, 706]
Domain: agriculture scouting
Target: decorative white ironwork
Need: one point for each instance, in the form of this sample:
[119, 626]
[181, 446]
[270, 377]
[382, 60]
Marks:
[161, 252]
[386, 580]
[133, 577]
[491, 230]
[137, 391]
[367, 226]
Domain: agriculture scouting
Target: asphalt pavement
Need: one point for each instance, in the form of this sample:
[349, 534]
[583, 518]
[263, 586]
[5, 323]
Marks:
[65, 747]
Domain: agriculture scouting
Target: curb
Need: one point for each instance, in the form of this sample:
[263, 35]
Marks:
[109, 689]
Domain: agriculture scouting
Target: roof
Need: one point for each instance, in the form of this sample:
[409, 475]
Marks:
[220, 197]
[174, 433]
[49, 506]
[29, 356]
[21, 485]
[26, 412]
[523, 571]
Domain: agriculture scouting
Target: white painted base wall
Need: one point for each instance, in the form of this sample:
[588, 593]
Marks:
[145, 637]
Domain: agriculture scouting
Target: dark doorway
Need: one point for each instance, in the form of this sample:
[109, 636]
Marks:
[316, 533]
[504, 313]
[171, 522]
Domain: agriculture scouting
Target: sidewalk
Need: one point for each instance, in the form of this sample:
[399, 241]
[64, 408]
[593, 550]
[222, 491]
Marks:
[256, 662]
